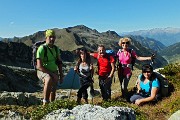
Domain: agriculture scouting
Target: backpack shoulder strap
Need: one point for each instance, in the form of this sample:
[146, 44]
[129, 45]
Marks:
[108, 56]
[150, 84]
[120, 50]
[56, 49]
[130, 51]
[45, 51]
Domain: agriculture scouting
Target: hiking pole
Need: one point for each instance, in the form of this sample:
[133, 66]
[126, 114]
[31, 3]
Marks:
[91, 91]
[92, 95]
[152, 59]
[72, 85]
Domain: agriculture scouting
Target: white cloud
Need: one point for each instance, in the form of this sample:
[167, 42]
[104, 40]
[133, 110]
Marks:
[11, 23]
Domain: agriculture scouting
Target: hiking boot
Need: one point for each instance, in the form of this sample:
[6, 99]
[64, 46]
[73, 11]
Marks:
[92, 92]
[78, 101]
[45, 103]
[86, 101]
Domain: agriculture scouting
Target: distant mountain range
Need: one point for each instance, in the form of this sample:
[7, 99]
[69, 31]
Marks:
[166, 36]
[71, 38]
[148, 42]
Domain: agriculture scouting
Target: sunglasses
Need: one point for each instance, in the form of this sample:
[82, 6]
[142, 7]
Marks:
[146, 71]
[125, 43]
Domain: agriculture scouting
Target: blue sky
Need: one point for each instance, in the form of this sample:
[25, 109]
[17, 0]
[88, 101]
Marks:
[25, 17]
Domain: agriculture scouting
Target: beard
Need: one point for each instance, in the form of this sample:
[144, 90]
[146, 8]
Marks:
[51, 43]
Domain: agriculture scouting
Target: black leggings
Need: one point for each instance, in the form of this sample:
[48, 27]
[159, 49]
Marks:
[82, 92]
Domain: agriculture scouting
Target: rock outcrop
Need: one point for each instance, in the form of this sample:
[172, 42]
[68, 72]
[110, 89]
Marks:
[19, 54]
[14, 79]
[16, 54]
[175, 116]
[90, 112]
[19, 98]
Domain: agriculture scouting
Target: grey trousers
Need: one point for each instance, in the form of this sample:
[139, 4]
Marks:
[124, 84]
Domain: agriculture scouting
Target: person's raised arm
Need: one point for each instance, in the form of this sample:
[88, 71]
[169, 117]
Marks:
[143, 58]
[140, 58]
[91, 54]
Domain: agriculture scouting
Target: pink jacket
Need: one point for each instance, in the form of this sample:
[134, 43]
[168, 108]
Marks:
[126, 59]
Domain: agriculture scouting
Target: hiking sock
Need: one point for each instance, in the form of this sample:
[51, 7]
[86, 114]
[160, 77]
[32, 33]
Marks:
[45, 102]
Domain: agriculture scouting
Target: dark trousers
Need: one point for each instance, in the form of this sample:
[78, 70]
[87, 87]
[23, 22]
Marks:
[124, 84]
[124, 81]
[105, 87]
[82, 92]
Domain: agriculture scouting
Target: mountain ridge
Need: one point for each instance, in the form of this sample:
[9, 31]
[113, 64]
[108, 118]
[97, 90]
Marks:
[71, 38]
[167, 36]
[148, 42]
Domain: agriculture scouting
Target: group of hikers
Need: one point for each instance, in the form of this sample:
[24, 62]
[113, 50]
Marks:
[49, 70]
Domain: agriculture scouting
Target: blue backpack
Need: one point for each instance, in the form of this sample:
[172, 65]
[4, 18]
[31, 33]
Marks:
[111, 53]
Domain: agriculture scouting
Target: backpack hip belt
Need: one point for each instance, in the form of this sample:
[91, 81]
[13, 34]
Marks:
[127, 65]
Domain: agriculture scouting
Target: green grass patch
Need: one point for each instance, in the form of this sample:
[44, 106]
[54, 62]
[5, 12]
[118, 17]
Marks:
[58, 104]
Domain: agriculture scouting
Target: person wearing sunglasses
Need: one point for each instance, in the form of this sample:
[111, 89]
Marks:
[125, 57]
[146, 92]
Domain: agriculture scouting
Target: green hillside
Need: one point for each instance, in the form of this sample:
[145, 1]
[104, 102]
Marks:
[171, 53]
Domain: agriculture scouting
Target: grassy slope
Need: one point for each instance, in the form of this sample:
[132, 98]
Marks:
[173, 59]
[66, 41]
[162, 110]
